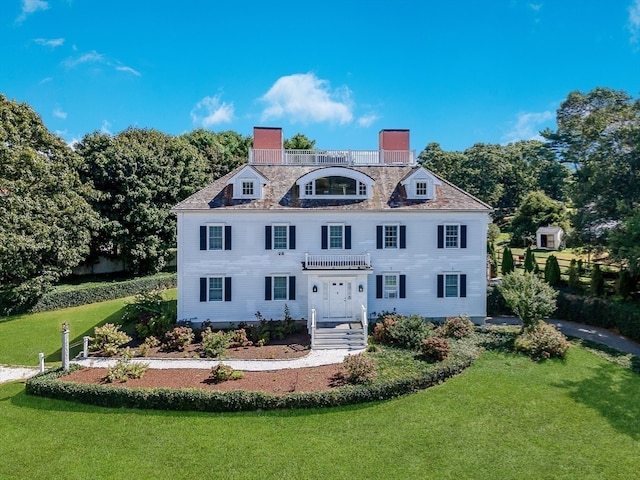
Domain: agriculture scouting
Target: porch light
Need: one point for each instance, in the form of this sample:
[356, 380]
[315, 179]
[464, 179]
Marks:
[315, 289]
[361, 288]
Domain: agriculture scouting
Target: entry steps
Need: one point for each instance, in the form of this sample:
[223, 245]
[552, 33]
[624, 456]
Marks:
[342, 335]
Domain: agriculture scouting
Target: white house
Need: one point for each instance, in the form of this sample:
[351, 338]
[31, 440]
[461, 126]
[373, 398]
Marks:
[335, 235]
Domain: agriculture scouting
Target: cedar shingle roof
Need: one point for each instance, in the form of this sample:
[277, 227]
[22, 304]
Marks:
[281, 192]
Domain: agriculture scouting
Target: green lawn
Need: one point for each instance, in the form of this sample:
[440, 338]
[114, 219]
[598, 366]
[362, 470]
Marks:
[503, 418]
[22, 337]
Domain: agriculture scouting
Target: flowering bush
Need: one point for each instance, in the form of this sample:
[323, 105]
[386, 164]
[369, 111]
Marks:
[222, 373]
[108, 338]
[360, 369]
[179, 338]
[238, 338]
[542, 341]
[402, 331]
[435, 349]
[457, 327]
[214, 344]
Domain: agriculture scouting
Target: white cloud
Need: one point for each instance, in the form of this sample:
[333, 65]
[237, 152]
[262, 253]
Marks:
[53, 42]
[527, 126]
[634, 22]
[123, 68]
[31, 6]
[535, 6]
[303, 97]
[46, 80]
[95, 57]
[105, 128]
[367, 120]
[210, 111]
[59, 114]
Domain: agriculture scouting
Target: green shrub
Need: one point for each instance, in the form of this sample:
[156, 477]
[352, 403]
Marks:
[574, 275]
[238, 338]
[530, 298]
[214, 344]
[402, 331]
[624, 284]
[435, 349]
[222, 373]
[596, 287]
[507, 261]
[359, 368]
[457, 327]
[108, 338]
[179, 338]
[552, 271]
[81, 295]
[267, 330]
[151, 313]
[124, 369]
[541, 342]
[495, 302]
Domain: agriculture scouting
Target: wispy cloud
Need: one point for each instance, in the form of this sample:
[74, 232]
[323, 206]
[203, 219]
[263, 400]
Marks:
[634, 22]
[95, 57]
[535, 6]
[367, 120]
[211, 111]
[303, 97]
[527, 126]
[106, 127]
[31, 6]
[52, 42]
[45, 80]
[59, 114]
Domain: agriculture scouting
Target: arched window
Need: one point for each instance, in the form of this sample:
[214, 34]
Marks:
[335, 183]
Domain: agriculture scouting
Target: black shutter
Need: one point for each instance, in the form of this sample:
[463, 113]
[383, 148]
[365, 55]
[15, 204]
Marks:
[440, 286]
[267, 288]
[379, 230]
[227, 289]
[347, 237]
[292, 288]
[203, 289]
[403, 286]
[203, 237]
[292, 237]
[378, 286]
[227, 237]
[440, 236]
[267, 237]
[463, 285]
[463, 236]
[325, 237]
[403, 236]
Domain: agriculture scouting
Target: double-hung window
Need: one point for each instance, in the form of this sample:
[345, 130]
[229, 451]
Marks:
[390, 236]
[336, 236]
[247, 188]
[421, 188]
[216, 236]
[280, 237]
[452, 285]
[390, 286]
[216, 288]
[280, 287]
[451, 236]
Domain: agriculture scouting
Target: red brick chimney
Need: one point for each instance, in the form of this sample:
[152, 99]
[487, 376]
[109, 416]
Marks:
[396, 142]
[267, 138]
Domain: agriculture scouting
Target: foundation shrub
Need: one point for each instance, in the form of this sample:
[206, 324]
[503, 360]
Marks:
[359, 368]
[214, 344]
[457, 327]
[107, 339]
[403, 331]
[435, 349]
[238, 338]
[541, 342]
[179, 338]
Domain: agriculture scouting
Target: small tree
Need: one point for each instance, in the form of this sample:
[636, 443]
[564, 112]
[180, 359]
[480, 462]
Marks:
[574, 275]
[597, 281]
[530, 298]
[492, 260]
[624, 284]
[530, 264]
[552, 271]
[507, 261]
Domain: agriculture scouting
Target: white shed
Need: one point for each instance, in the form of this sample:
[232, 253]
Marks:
[549, 238]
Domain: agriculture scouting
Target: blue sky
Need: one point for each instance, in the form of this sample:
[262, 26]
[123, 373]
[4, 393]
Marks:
[455, 73]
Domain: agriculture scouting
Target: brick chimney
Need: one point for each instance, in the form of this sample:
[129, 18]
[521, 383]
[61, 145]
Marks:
[396, 143]
[267, 138]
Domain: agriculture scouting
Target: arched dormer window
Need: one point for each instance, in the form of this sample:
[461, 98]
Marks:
[335, 183]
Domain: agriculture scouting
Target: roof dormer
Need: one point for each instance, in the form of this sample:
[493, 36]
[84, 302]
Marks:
[420, 185]
[247, 183]
[333, 183]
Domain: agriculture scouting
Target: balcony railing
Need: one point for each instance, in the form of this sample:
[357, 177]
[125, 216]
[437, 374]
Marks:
[356, 261]
[331, 157]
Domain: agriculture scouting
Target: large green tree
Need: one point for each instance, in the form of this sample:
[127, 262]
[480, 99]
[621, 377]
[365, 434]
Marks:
[536, 210]
[224, 151]
[45, 218]
[140, 174]
[299, 142]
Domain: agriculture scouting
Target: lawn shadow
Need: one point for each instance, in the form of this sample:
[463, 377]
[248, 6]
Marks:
[77, 340]
[614, 393]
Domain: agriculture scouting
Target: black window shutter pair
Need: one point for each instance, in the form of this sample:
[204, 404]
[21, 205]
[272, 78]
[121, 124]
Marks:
[268, 290]
[463, 236]
[268, 237]
[403, 286]
[324, 241]
[203, 237]
[380, 237]
[463, 286]
[204, 289]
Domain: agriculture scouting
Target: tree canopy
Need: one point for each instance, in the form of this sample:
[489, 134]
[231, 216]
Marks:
[536, 210]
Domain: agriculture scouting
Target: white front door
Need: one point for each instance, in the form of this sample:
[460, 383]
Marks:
[337, 299]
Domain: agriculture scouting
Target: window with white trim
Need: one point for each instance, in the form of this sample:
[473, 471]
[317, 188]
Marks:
[451, 236]
[390, 286]
[308, 189]
[421, 188]
[216, 237]
[335, 183]
[390, 236]
[247, 187]
[336, 236]
[451, 285]
[280, 237]
[280, 288]
[216, 289]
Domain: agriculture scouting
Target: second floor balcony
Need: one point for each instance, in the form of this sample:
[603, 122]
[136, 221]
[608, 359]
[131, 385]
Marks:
[331, 157]
[351, 261]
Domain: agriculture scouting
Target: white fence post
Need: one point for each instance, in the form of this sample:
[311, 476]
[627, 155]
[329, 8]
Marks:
[65, 346]
[85, 347]
[41, 360]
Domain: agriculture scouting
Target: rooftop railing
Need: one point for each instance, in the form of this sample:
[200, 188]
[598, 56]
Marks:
[331, 157]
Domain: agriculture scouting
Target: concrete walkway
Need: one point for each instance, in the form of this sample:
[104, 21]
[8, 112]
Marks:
[10, 374]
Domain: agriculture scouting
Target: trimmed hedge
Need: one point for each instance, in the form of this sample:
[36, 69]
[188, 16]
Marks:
[599, 312]
[49, 385]
[85, 295]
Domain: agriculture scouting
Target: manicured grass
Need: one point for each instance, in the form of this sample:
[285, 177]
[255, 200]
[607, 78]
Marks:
[22, 337]
[504, 417]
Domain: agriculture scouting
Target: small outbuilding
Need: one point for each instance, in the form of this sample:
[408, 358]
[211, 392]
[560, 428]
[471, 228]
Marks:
[549, 238]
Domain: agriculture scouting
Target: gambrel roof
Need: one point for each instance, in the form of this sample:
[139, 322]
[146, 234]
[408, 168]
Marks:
[281, 192]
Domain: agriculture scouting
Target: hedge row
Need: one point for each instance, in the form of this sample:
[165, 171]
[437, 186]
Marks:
[99, 293]
[599, 312]
[50, 385]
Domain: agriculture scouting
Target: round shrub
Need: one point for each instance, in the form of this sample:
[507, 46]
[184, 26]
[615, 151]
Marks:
[222, 373]
[359, 368]
[435, 349]
[457, 327]
[541, 342]
[402, 331]
[108, 338]
[214, 344]
[179, 338]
